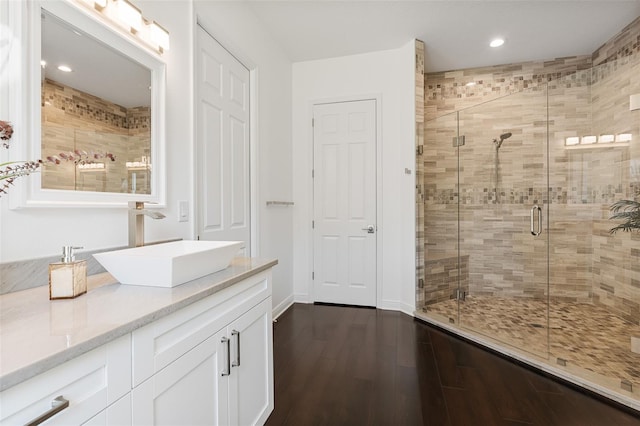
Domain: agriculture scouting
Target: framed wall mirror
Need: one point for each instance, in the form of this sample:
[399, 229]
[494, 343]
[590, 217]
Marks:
[98, 96]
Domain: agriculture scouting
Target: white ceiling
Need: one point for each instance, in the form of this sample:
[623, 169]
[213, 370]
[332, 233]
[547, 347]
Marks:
[456, 32]
[456, 35]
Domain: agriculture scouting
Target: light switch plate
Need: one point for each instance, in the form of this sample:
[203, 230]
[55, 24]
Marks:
[183, 211]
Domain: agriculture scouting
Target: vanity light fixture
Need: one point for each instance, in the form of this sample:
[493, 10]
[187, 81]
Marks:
[604, 141]
[624, 137]
[98, 4]
[573, 140]
[64, 68]
[127, 16]
[606, 138]
[159, 36]
[91, 167]
[497, 42]
[137, 165]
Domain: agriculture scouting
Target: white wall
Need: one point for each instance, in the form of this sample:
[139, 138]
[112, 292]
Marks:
[239, 30]
[389, 74]
[284, 96]
[32, 233]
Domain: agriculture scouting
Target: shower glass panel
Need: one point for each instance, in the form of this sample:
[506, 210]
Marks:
[595, 275]
[504, 219]
[518, 196]
[443, 276]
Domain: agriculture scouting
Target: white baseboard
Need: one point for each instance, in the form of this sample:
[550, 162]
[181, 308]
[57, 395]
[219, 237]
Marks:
[407, 308]
[282, 306]
[395, 305]
[389, 305]
[301, 298]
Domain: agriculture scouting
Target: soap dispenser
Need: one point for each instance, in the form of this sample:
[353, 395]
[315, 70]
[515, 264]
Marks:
[67, 278]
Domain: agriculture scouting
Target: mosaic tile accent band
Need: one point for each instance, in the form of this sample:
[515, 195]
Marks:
[102, 114]
[446, 92]
[625, 43]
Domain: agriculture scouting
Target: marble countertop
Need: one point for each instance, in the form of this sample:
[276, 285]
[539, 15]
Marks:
[37, 334]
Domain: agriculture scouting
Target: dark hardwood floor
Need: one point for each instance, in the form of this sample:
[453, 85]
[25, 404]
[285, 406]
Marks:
[353, 366]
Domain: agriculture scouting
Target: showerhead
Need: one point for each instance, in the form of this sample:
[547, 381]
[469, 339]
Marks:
[502, 138]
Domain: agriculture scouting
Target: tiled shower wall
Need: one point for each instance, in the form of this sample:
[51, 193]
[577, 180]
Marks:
[586, 263]
[447, 92]
[615, 258]
[76, 120]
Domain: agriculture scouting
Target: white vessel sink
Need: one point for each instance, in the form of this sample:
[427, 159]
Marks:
[168, 264]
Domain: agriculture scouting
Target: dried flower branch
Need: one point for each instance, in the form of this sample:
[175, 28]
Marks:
[78, 157]
[12, 170]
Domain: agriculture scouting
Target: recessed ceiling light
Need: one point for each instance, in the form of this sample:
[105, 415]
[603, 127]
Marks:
[496, 42]
[64, 68]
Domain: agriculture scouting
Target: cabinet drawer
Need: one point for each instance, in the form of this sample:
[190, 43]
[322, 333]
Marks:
[89, 382]
[158, 344]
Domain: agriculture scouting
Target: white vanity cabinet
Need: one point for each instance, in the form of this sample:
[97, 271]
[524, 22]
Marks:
[201, 353]
[209, 363]
[91, 383]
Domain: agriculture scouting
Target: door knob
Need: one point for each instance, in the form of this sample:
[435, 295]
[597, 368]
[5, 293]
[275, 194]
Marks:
[370, 229]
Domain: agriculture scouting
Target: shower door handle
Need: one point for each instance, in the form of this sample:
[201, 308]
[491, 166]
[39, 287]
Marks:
[533, 231]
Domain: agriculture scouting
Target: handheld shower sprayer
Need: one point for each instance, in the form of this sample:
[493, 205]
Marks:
[503, 136]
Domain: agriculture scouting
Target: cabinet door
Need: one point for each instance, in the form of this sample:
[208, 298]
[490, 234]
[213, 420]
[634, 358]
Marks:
[251, 380]
[117, 414]
[189, 391]
[158, 344]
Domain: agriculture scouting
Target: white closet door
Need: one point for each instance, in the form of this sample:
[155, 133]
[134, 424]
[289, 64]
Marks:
[222, 145]
[344, 194]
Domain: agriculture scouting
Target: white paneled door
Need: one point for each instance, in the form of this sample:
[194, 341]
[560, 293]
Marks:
[222, 145]
[344, 194]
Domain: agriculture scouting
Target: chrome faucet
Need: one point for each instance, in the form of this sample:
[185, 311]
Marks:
[136, 222]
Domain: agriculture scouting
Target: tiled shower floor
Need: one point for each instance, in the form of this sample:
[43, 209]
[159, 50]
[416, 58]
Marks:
[586, 336]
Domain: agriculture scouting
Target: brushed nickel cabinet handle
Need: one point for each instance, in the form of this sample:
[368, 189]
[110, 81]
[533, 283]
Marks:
[236, 363]
[227, 343]
[58, 404]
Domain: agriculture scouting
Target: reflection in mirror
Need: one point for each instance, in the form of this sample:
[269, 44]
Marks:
[100, 103]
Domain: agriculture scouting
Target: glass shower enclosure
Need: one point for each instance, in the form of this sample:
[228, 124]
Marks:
[518, 249]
